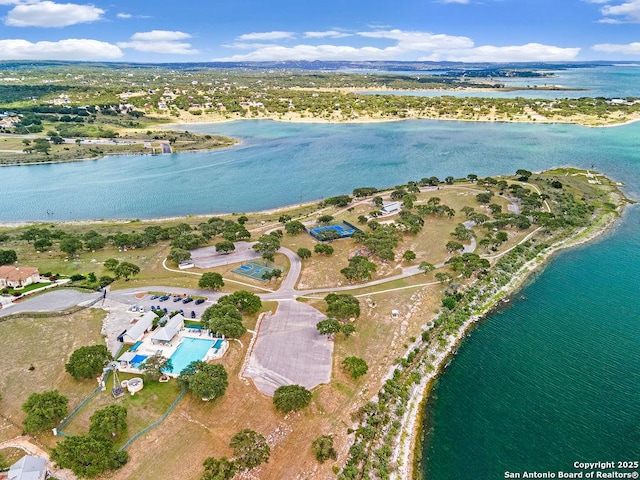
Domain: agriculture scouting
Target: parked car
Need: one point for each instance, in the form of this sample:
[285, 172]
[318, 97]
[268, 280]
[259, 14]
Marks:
[141, 309]
[177, 299]
[134, 308]
[187, 300]
[199, 301]
[164, 298]
[153, 297]
[193, 314]
[165, 310]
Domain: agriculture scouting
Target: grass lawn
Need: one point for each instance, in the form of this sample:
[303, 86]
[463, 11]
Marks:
[45, 344]
[143, 408]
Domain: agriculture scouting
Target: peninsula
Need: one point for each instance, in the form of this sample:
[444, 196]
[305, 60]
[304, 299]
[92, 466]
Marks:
[356, 300]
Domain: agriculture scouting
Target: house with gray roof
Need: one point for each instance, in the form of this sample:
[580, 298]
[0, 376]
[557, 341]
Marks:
[28, 468]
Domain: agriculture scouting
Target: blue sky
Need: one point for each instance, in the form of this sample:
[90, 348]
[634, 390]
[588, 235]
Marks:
[245, 30]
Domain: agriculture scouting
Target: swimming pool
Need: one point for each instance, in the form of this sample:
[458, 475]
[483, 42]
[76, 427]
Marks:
[138, 360]
[190, 350]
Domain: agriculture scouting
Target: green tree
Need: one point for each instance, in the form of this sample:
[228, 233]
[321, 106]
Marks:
[87, 362]
[291, 398]
[110, 422]
[205, 381]
[523, 175]
[8, 257]
[225, 247]
[111, 264]
[462, 233]
[70, 244]
[219, 469]
[244, 301]
[224, 319]
[44, 411]
[42, 145]
[360, 268]
[342, 306]
[355, 366]
[409, 256]
[88, 456]
[484, 197]
[426, 267]
[178, 255]
[250, 449]
[284, 219]
[126, 270]
[329, 326]
[323, 249]
[325, 219]
[41, 244]
[211, 281]
[267, 245]
[294, 227]
[322, 448]
[155, 366]
[453, 246]
[304, 253]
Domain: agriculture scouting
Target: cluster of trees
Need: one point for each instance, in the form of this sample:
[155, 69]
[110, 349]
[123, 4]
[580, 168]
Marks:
[225, 317]
[205, 381]
[338, 201]
[250, 449]
[291, 398]
[227, 229]
[95, 453]
[360, 268]
[121, 269]
[381, 240]
[268, 245]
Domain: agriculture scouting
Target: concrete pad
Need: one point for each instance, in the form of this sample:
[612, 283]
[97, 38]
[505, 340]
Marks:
[53, 301]
[207, 257]
[290, 351]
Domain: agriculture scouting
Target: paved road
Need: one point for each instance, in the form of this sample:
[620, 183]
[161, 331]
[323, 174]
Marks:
[53, 301]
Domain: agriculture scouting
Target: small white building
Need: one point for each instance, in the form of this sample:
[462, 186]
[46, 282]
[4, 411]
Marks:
[137, 331]
[391, 208]
[165, 334]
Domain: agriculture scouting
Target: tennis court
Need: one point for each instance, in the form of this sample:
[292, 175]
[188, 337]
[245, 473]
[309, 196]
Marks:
[333, 232]
[253, 270]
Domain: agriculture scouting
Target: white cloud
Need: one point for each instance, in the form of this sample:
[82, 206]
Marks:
[160, 36]
[69, 49]
[51, 14]
[625, 49]
[628, 12]
[531, 52]
[328, 33]
[123, 15]
[160, 41]
[405, 45]
[275, 35]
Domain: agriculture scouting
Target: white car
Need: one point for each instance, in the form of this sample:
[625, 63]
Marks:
[141, 309]
[134, 308]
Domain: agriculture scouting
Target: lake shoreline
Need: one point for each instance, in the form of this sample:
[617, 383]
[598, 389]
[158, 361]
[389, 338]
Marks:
[408, 452]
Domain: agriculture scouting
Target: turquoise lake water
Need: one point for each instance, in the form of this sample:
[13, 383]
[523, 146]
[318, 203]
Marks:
[550, 381]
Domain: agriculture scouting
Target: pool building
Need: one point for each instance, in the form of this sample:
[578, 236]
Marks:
[182, 345]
